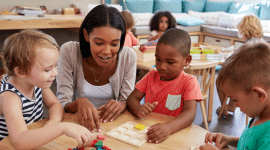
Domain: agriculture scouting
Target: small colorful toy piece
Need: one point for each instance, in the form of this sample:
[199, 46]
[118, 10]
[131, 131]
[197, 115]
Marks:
[126, 133]
[93, 143]
[106, 147]
[101, 137]
[99, 145]
[139, 127]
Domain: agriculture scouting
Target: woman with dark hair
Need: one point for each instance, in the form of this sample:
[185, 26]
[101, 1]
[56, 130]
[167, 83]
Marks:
[97, 73]
[159, 23]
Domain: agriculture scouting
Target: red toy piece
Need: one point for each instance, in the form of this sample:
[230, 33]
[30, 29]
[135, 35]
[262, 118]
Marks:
[93, 143]
[70, 149]
[105, 147]
[101, 137]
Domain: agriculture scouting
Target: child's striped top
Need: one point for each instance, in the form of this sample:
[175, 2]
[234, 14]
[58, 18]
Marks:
[32, 110]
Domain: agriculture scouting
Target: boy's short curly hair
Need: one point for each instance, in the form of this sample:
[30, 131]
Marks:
[128, 18]
[20, 50]
[250, 25]
[247, 67]
[154, 22]
[177, 38]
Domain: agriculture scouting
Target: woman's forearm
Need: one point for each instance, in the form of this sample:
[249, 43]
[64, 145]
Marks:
[71, 107]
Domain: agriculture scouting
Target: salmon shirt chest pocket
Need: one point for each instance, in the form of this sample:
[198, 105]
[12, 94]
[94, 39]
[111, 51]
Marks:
[173, 102]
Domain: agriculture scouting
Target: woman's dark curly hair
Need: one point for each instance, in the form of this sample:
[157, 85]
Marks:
[154, 22]
[101, 16]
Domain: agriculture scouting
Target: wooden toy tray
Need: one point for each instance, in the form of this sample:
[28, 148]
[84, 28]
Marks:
[128, 134]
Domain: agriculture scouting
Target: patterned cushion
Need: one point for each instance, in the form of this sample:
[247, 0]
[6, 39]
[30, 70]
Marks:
[142, 18]
[229, 20]
[266, 25]
[178, 16]
[210, 18]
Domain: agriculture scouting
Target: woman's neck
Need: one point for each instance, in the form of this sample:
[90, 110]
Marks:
[22, 85]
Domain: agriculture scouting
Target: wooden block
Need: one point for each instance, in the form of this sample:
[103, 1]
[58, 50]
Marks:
[68, 11]
[126, 133]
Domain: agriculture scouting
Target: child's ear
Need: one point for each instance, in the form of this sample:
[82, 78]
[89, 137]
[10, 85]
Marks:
[19, 73]
[85, 34]
[188, 60]
[261, 93]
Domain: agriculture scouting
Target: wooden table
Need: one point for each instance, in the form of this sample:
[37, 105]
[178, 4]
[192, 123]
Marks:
[181, 140]
[51, 22]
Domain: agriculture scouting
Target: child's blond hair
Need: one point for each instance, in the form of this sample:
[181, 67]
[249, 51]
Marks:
[250, 25]
[247, 67]
[20, 50]
[128, 18]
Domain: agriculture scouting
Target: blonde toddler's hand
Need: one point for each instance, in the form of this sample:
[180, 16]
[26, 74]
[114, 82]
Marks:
[78, 132]
[146, 109]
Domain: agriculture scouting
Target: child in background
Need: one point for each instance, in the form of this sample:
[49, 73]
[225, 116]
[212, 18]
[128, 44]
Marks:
[169, 90]
[245, 78]
[159, 23]
[251, 31]
[130, 39]
[30, 58]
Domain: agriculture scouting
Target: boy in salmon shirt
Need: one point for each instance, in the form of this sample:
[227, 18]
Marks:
[168, 90]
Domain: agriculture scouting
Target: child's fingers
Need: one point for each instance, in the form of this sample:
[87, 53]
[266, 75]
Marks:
[211, 137]
[218, 141]
[156, 138]
[79, 140]
[141, 114]
[160, 140]
[206, 140]
[155, 104]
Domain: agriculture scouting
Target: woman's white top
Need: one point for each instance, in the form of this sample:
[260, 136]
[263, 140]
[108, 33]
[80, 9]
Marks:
[98, 95]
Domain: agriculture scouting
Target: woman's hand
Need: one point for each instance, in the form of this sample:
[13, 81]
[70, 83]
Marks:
[111, 110]
[87, 114]
[158, 133]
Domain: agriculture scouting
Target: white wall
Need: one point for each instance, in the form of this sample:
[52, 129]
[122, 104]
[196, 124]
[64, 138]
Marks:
[50, 4]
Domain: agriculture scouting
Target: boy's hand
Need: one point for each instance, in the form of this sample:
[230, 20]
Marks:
[221, 140]
[80, 133]
[146, 109]
[158, 133]
[208, 146]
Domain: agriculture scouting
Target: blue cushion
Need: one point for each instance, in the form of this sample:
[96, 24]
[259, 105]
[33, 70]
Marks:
[190, 21]
[197, 5]
[265, 11]
[174, 6]
[217, 6]
[242, 8]
[138, 6]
